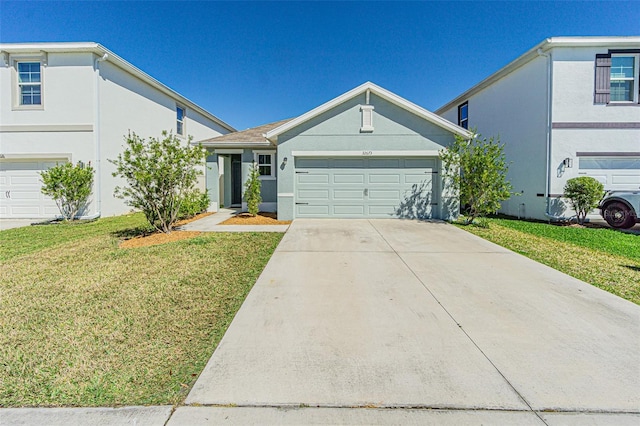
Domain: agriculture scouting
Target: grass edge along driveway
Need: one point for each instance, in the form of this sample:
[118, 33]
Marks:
[85, 323]
[603, 257]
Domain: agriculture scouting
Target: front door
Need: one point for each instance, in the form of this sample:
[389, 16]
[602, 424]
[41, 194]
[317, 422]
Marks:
[236, 179]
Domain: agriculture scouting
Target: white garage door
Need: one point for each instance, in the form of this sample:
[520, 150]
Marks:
[365, 187]
[615, 173]
[20, 185]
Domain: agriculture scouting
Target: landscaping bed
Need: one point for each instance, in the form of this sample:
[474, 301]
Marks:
[262, 218]
[85, 323]
[607, 258]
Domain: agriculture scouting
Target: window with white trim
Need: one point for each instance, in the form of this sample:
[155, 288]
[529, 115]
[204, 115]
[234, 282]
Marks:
[624, 78]
[180, 116]
[265, 160]
[463, 115]
[29, 83]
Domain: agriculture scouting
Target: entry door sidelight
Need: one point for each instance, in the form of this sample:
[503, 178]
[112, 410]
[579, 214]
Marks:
[236, 179]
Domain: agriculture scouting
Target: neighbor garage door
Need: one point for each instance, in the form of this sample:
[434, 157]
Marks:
[615, 173]
[20, 195]
[365, 187]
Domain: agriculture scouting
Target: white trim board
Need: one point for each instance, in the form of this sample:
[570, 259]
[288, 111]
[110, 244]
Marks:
[425, 153]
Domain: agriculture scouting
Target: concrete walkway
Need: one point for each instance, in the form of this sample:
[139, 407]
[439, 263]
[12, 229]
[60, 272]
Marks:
[212, 222]
[402, 322]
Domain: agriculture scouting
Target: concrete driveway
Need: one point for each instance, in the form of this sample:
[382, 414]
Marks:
[427, 319]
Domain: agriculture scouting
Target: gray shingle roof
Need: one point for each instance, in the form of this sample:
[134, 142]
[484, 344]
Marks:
[255, 134]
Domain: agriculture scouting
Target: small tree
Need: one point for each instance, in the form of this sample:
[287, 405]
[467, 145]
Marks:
[252, 190]
[478, 170]
[70, 187]
[584, 193]
[159, 173]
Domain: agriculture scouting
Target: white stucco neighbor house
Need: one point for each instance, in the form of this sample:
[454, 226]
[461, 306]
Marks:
[568, 107]
[366, 154]
[76, 102]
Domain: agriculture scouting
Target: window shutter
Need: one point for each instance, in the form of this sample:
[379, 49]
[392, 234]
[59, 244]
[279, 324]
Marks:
[603, 74]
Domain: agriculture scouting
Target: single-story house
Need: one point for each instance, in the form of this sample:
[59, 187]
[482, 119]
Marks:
[366, 154]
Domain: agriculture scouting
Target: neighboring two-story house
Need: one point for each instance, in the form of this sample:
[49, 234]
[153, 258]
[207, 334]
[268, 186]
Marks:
[568, 107]
[77, 102]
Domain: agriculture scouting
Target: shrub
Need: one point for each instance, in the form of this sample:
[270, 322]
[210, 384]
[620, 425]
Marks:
[70, 187]
[584, 193]
[478, 170]
[159, 173]
[193, 203]
[252, 193]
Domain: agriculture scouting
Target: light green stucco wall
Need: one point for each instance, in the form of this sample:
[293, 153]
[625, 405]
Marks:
[395, 129]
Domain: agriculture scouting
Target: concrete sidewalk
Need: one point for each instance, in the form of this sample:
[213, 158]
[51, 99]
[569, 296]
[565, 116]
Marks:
[212, 222]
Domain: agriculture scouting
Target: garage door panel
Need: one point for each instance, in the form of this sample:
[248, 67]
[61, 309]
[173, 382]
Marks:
[348, 178]
[348, 163]
[420, 163]
[314, 211]
[313, 178]
[25, 180]
[24, 195]
[418, 178]
[348, 194]
[393, 178]
[389, 194]
[625, 179]
[307, 163]
[310, 194]
[384, 163]
[349, 210]
[19, 165]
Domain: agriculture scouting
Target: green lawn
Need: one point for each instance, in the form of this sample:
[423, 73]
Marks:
[85, 323]
[604, 257]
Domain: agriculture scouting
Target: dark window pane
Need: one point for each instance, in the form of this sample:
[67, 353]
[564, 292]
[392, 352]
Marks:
[265, 170]
[179, 128]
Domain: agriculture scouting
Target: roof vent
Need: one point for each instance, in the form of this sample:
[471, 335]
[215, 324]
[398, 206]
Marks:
[367, 118]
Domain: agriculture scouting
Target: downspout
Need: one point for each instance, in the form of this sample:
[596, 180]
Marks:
[96, 136]
[547, 189]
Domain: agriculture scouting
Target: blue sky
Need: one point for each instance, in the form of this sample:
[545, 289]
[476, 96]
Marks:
[251, 63]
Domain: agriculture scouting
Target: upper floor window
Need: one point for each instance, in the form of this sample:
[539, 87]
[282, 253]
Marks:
[463, 115]
[617, 75]
[29, 83]
[624, 78]
[180, 120]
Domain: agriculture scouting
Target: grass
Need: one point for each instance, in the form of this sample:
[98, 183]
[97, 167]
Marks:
[604, 257]
[85, 323]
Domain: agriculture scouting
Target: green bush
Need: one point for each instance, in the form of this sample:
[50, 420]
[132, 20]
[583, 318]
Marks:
[70, 187]
[158, 174]
[584, 193]
[478, 169]
[252, 190]
[193, 203]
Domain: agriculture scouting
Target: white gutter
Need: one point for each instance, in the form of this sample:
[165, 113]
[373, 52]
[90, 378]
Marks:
[96, 133]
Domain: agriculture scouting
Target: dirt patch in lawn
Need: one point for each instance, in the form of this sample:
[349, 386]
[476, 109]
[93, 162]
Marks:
[262, 218]
[162, 238]
[158, 238]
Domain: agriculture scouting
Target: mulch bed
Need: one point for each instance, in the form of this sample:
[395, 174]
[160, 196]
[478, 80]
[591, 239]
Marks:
[262, 218]
[162, 238]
